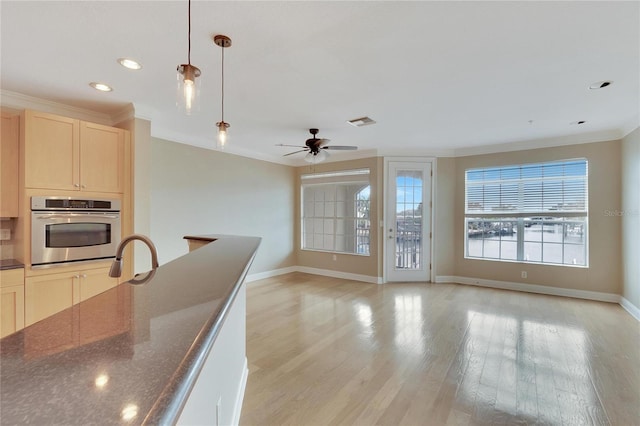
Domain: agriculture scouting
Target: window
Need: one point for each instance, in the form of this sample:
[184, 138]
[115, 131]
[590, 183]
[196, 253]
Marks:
[535, 213]
[335, 211]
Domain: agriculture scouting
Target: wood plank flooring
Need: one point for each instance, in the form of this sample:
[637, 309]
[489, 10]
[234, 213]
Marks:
[328, 351]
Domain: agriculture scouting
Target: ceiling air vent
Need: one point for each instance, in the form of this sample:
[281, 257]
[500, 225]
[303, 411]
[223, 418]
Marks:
[362, 121]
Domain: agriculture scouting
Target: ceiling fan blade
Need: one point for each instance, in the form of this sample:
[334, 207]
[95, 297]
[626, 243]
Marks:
[293, 146]
[341, 147]
[295, 152]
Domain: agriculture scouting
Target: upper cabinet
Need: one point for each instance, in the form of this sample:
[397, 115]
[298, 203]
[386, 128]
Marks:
[9, 160]
[68, 154]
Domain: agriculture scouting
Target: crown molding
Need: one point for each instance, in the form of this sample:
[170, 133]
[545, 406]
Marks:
[126, 114]
[582, 138]
[630, 125]
[415, 152]
[19, 101]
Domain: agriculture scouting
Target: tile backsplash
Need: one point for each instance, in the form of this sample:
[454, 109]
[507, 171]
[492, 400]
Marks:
[6, 246]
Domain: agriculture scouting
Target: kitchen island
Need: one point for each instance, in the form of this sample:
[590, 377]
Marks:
[169, 349]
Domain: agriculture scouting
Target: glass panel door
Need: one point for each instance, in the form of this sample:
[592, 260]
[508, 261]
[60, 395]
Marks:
[408, 254]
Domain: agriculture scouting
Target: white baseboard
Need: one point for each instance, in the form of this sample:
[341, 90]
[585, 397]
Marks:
[269, 274]
[314, 271]
[532, 288]
[633, 310]
[630, 307]
[339, 274]
[237, 408]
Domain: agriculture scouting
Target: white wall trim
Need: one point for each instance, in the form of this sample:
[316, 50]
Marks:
[575, 139]
[533, 288]
[237, 408]
[314, 271]
[445, 279]
[19, 101]
[633, 310]
[339, 274]
[268, 274]
[630, 307]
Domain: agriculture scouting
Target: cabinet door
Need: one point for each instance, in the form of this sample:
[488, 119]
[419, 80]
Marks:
[51, 154]
[9, 157]
[95, 281]
[46, 295]
[11, 309]
[101, 158]
[105, 315]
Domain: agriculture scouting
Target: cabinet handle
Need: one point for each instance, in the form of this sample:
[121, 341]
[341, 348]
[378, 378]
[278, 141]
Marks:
[83, 276]
[84, 186]
[76, 185]
[76, 276]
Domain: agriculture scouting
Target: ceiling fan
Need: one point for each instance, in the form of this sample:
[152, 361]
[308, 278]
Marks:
[316, 148]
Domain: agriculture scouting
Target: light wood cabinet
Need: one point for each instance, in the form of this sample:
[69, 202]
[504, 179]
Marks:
[11, 301]
[9, 160]
[101, 158]
[49, 294]
[69, 154]
[95, 281]
[51, 150]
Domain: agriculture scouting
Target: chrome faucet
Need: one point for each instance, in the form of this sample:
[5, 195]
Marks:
[116, 266]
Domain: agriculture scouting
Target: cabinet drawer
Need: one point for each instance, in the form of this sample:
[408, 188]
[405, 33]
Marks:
[11, 277]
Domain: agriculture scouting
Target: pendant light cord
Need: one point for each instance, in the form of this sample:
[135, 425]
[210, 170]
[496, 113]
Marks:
[222, 92]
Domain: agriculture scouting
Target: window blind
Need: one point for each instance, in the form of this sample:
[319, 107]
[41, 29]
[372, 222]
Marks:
[557, 187]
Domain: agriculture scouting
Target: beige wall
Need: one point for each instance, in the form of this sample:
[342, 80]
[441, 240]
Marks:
[631, 217]
[604, 271]
[444, 207]
[200, 191]
[371, 265]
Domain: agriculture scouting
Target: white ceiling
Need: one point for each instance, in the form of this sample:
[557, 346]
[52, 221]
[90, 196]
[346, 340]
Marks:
[438, 77]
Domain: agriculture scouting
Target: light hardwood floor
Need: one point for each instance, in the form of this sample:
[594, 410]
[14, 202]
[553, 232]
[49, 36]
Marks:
[329, 351]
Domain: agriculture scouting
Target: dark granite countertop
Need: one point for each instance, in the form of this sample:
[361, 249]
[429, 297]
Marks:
[129, 355]
[10, 264]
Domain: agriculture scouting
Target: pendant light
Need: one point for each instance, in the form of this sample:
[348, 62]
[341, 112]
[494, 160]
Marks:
[187, 96]
[224, 42]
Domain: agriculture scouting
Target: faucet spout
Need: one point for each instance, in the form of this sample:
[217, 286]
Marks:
[116, 266]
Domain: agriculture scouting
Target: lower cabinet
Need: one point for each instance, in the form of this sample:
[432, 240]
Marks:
[107, 315]
[48, 294]
[11, 301]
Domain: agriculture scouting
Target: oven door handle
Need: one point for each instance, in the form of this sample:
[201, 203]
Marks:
[68, 215]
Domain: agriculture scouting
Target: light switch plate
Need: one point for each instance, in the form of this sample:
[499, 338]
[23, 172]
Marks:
[5, 234]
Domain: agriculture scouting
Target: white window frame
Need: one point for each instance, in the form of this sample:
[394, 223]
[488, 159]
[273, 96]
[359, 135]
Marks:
[344, 177]
[524, 210]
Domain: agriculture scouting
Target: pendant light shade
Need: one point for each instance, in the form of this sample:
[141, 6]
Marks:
[222, 134]
[188, 91]
[224, 42]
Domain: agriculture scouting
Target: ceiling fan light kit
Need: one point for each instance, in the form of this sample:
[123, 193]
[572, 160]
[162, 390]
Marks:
[316, 157]
[316, 148]
[188, 92]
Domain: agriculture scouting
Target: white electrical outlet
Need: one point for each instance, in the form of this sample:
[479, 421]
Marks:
[335, 257]
[218, 407]
[5, 234]
[523, 274]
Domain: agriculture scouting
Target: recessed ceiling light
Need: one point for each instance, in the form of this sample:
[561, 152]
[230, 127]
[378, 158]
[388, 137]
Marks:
[577, 122]
[600, 84]
[101, 86]
[362, 121]
[129, 63]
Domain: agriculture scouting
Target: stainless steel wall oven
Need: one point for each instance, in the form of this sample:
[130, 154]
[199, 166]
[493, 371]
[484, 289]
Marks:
[73, 229]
